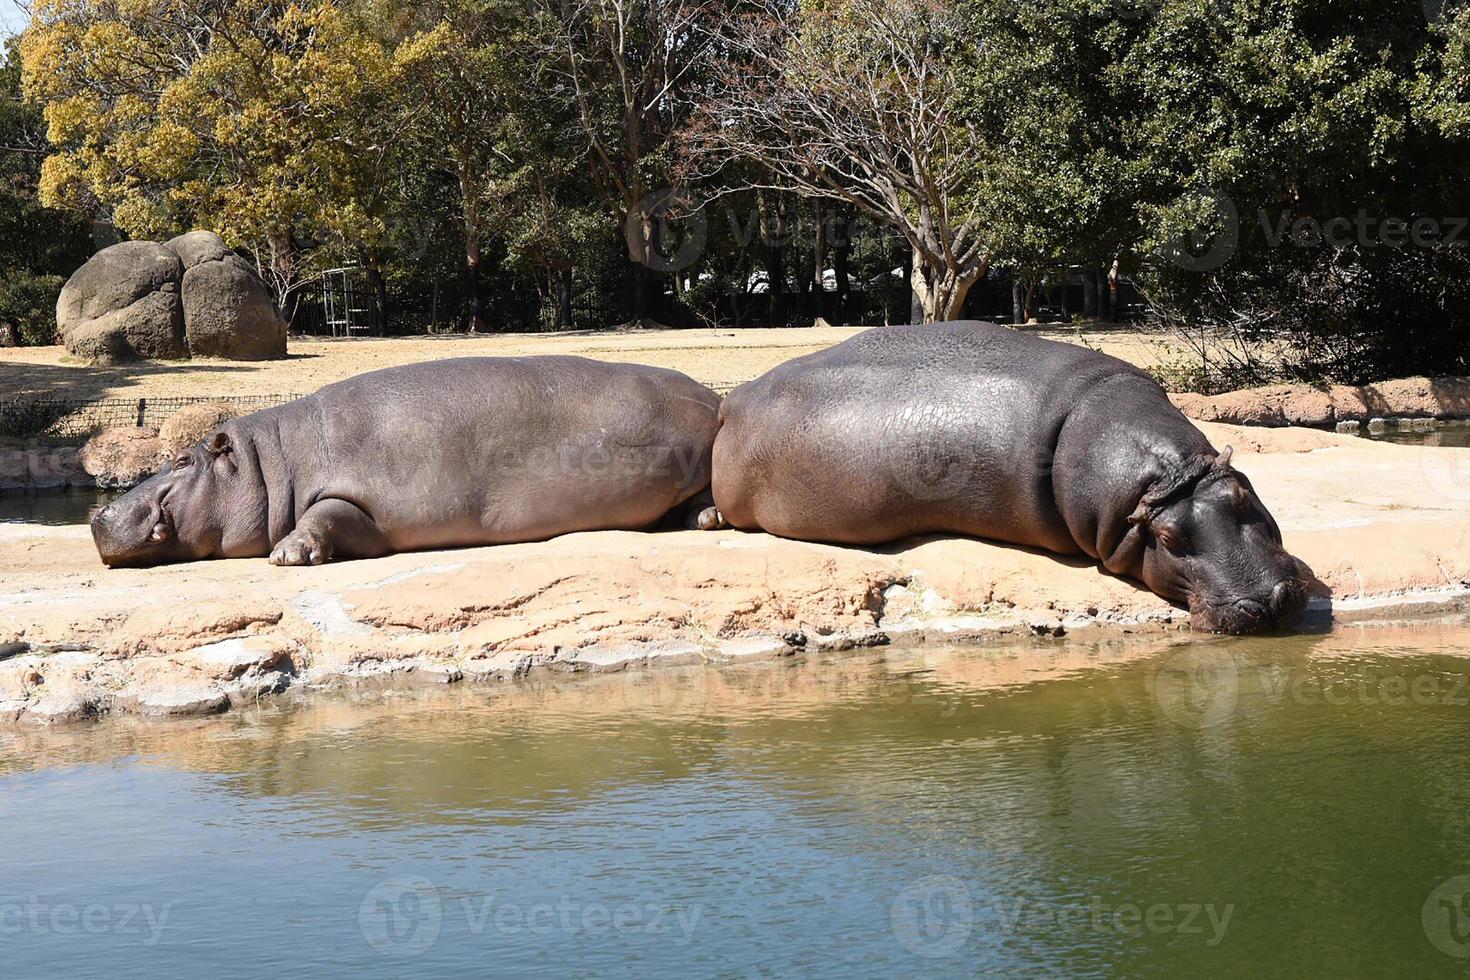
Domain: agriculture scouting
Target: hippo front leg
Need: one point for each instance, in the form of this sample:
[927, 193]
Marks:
[330, 529]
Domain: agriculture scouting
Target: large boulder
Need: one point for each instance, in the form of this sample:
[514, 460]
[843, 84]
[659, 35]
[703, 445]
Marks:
[124, 304]
[229, 313]
[190, 296]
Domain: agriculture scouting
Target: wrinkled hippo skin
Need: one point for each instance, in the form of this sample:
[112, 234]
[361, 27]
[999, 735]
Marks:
[450, 453]
[977, 429]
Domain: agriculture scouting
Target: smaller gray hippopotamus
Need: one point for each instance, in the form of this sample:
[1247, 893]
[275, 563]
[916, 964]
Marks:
[973, 428]
[449, 453]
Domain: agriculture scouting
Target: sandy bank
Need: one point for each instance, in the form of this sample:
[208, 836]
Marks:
[720, 357]
[1383, 526]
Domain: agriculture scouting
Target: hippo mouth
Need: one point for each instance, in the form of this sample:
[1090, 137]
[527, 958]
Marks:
[122, 547]
[1285, 604]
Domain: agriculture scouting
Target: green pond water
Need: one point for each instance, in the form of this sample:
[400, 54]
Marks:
[1456, 434]
[1265, 807]
[56, 507]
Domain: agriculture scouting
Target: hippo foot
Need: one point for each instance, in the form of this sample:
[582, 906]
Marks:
[301, 547]
[709, 519]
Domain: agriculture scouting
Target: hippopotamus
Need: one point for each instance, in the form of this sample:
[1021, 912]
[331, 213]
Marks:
[448, 453]
[977, 429]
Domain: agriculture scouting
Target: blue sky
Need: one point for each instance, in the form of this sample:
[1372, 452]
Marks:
[13, 18]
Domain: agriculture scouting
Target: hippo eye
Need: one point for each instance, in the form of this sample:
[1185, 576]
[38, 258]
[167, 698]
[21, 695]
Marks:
[183, 460]
[1169, 537]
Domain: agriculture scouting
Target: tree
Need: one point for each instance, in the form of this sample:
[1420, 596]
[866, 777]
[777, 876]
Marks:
[461, 75]
[39, 246]
[236, 116]
[859, 100]
[1315, 151]
[625, 67]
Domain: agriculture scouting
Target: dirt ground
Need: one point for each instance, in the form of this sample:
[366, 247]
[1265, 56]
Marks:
[718, 357]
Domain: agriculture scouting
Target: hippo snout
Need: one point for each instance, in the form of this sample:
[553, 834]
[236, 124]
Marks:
[1288, 601]
[1281, 607]
[125, 531]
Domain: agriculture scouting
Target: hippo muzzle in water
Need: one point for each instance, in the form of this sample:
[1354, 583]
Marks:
[464, 451]
[977, 429]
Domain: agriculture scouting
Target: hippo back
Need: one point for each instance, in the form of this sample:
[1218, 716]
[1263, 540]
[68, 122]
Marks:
[494, 449]
[948, 427]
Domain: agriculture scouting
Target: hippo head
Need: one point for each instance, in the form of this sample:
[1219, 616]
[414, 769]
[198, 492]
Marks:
[1216, 548]
[198, 506]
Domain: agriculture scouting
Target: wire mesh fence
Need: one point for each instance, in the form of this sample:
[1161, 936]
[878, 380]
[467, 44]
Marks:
[74, 418]
[69, 418]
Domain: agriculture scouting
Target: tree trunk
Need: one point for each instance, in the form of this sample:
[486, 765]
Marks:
[819, 255]
[564, 300]
[283, 272]
[380, 296]
[471, 213]
[918, 287]
[939, 294]
[1089, 291]
[773, 257]
[434, 307]
[472, 291]
[1018, 302]
[842, 253]
[1113, 292]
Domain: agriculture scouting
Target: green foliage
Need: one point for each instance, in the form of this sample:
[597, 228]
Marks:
[28, 302]
[477, 153]
[38, 245]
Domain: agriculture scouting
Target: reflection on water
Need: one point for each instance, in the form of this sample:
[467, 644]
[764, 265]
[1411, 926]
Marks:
[67, 506]
[1187, 808]
[1456, 434]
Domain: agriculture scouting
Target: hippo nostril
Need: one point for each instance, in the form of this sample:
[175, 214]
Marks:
[1288, 600]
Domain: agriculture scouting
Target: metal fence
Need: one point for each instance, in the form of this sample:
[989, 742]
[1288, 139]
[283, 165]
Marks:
[66, 418]
[73, 418]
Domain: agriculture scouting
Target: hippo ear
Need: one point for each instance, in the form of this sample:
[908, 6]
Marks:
[1222, 461]
[219, 444]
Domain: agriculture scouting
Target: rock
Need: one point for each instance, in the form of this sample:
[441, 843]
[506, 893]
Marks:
[191, 296]
[228, 312]
[124, 304]
[1319, 407]
[195, 247]
[122, 457]
[190, 424]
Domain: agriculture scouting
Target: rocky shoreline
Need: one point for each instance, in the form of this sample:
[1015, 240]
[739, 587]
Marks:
[1331, 406]
[1384, 527]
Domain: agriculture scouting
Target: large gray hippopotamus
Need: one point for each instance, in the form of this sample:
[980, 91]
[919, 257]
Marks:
[449, 453]
[978, 429]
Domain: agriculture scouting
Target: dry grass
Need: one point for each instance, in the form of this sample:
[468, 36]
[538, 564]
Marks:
[718, 356]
